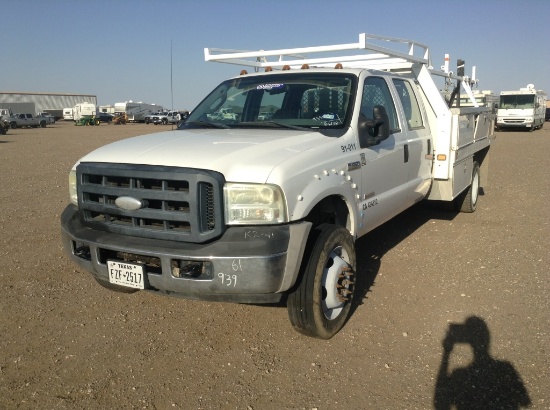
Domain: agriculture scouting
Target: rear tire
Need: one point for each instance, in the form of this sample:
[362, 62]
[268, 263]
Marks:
[320, 303]
[467, 201]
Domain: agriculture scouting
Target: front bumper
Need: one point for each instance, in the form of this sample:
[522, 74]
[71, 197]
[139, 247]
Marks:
[248, 264]
[515, 122]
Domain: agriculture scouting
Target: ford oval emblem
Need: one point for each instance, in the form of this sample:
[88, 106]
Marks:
[129, 204]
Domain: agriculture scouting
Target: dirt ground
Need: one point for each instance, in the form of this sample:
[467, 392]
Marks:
[67, 343]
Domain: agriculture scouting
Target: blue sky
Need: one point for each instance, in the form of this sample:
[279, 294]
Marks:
[120, 50]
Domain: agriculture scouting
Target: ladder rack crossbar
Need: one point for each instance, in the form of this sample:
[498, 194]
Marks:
[382, 55]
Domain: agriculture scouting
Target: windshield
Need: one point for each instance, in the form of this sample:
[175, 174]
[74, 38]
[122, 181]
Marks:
[517, 101]
[299, 100]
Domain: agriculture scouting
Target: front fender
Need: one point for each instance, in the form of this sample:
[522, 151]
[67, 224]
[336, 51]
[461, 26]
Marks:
[324, 185]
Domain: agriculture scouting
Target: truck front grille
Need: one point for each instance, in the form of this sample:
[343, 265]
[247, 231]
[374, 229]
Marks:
[180, 204]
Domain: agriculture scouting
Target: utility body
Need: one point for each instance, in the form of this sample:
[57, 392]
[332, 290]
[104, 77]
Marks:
[265, 204]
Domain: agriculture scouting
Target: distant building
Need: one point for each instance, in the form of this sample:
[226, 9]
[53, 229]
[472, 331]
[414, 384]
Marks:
[33, 103]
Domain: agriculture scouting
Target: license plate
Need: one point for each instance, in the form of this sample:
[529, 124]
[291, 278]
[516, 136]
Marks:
[126, 274]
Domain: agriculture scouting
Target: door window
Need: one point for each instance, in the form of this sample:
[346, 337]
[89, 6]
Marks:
[409, 103]
[376, 92]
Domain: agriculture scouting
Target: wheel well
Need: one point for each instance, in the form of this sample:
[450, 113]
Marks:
[332, 210]
[481, 157]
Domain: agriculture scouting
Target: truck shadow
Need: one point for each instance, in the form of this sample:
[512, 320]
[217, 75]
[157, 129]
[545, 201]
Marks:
[373, 246]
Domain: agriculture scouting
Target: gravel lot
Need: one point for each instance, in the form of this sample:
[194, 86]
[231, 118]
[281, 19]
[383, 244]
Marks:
[67, 343]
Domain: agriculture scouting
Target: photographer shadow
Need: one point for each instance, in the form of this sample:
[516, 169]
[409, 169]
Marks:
[486, 383]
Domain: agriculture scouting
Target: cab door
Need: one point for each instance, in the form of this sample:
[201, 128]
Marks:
[384, 165]
[419, 140]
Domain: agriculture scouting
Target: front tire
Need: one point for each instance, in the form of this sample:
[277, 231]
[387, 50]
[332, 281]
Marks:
[320, 303]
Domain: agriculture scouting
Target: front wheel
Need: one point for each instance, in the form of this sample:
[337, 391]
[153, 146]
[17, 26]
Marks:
[320, 303]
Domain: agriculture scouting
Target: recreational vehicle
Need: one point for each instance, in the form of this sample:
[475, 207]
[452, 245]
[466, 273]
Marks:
[83, 109]
[136, 111]
[522, 109]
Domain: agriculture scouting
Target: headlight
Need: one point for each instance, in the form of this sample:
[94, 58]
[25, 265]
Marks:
[252, 204]
[72, 188]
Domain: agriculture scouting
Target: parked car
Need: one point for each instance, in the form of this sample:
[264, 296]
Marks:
[27, 120]
[166, 117]
[4, 126]
[264, 116]
[149, 117]
[50, 119]
[104, 117]
[547, 115]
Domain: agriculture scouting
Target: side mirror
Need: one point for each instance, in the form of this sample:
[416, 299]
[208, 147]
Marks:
[365, 130]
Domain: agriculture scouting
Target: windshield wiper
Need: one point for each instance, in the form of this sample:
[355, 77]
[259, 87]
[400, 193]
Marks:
[206, 124]
[270, 124]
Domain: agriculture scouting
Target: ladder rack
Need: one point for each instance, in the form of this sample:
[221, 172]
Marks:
[395, 55]
[373, 56]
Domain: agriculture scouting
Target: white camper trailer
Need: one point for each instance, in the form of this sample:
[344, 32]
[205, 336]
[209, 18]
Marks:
[68, 114]
[83, 109]
[136, 111]
[522, 109]
[107, 109]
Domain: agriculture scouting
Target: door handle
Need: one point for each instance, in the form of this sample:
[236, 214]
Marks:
[406, 153]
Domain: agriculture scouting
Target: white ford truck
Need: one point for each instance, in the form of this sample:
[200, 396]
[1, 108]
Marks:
[256, 208]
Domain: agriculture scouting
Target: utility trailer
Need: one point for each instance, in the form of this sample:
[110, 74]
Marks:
[265, 204]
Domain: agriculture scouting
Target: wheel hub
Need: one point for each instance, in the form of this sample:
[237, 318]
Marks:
[337, 283]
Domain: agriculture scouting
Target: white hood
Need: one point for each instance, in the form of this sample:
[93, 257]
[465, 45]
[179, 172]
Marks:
[240, 155]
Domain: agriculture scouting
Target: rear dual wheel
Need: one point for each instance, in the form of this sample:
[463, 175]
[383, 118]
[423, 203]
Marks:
[467, 201]
[320, 303]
